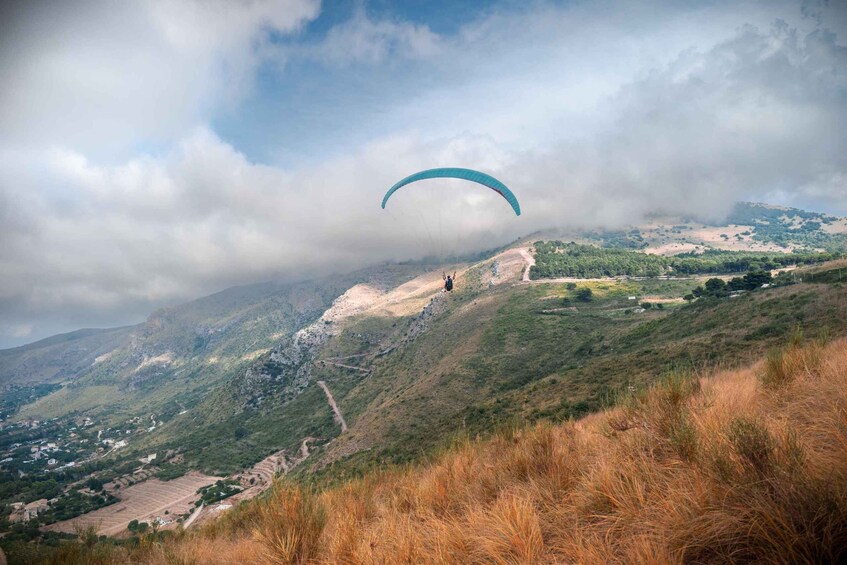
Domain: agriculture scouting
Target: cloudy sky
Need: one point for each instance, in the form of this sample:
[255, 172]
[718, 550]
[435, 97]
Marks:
[155, 151]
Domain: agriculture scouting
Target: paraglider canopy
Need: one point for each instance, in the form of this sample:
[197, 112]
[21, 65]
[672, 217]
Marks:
[458, 173]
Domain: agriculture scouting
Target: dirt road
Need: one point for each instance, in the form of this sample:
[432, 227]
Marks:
[193, 516]
[343, 366]
[530, 261]
[338, 417]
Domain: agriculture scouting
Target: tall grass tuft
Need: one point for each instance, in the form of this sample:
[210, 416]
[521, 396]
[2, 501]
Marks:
[752, 443]
[782, 366]
[290, 523]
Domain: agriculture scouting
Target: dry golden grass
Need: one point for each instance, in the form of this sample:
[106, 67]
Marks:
[742, 466]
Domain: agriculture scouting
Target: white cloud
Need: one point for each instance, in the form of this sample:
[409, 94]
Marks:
[159, 230]
[103, 76]
[365, 40]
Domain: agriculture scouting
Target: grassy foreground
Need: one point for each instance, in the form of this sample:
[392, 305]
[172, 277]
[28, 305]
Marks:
[740, 466]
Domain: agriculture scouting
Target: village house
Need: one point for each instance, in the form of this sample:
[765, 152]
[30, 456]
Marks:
[25, 512]
[32, 509]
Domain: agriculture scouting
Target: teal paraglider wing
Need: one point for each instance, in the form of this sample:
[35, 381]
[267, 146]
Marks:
[458, 173]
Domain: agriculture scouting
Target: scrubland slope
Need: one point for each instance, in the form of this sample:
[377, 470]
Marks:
[740, 466]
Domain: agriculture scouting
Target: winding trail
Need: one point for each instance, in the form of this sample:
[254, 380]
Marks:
[304, 451]
[347, 357]
[343, 366]
[338, 417]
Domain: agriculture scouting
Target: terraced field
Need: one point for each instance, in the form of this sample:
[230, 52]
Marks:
[262, 473]
[136, 477]
[143, 502]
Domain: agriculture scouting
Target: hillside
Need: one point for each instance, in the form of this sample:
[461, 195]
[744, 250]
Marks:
[408, 369]
[745, 465]
[331, 379]
[167, 363]
[59, 357]
[752, 227]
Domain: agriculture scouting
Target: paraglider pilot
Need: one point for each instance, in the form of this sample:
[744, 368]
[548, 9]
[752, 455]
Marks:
[448, 281]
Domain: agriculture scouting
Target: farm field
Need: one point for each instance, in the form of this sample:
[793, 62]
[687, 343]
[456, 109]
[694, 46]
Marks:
[142, 502]
[261, 475]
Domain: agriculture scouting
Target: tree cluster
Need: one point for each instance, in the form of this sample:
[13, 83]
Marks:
[558, 259]
[718, 288]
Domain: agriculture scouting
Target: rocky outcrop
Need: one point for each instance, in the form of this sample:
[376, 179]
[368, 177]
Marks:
[286, 371]
[422, 321]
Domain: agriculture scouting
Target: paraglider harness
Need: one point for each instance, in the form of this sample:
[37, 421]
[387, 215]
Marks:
[448, 281]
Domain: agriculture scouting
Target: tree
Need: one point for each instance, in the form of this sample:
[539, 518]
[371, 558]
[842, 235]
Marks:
[756, 279]
[132, 526]
[584, 295]
[94, 484]
[715, 287]
[736, 283]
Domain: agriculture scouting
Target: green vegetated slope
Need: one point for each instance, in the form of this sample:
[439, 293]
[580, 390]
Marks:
[787, 226]
[243, 410]
[516, 353]
[749, 225]
[173, 360]
[480, 358]
[60, 357]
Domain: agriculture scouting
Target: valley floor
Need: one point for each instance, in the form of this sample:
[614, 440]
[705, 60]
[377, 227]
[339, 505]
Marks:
[740, 466]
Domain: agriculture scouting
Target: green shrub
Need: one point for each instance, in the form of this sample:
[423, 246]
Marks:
[584, 295]
[753, 444]
[684, 439]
